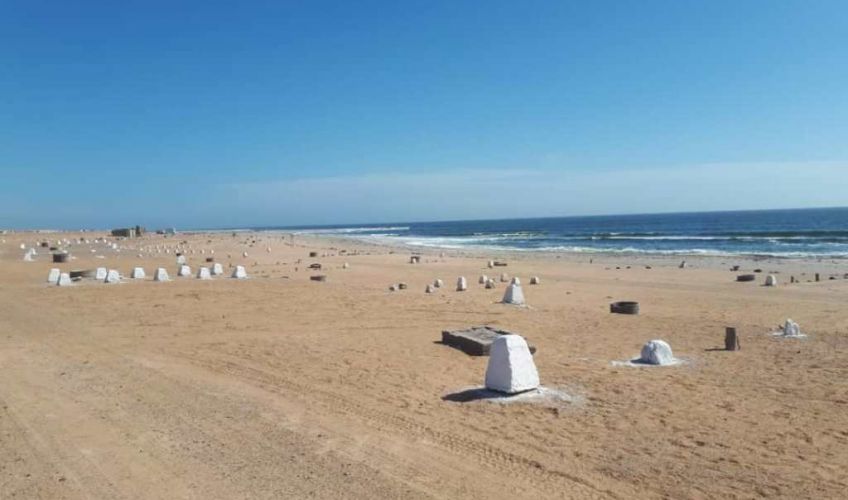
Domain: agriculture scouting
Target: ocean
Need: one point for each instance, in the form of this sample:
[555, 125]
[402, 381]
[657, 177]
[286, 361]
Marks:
[777, 233]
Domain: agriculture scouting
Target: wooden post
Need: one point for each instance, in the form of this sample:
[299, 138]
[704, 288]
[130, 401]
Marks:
[818, 278]
[792, 279]
[731, 339]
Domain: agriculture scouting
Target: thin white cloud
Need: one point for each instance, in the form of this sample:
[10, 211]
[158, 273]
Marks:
[481, 194]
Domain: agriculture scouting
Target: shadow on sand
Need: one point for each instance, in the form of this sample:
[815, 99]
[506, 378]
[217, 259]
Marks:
[480, 394]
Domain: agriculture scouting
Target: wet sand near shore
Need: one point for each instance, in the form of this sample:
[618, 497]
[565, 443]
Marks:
[282, 387]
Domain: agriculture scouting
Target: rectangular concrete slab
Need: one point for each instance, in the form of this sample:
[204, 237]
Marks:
[475, 341]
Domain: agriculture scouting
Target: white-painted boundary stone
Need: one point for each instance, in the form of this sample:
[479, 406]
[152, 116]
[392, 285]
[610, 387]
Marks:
[112, 276]
[656, 352]
[181, 260]
[514, 295]
[345, 265]
[203, 274]
[217, 269]
[504, 278]
[64, 280]
[430, 289]
[535, 280]
[161, 275]
[53, 275]
[138, 273]
[771, 280]
[184, 271]
[239, 273]
[516, 281]
[100, 273]
[438, 283]
[511, 368]
[461, 284]
[483, 279]
[490, 284]
[491, 264]
[27, 257]
[791, 329]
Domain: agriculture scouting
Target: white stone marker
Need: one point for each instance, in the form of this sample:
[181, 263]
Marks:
[217, 269]
[100, 273]
[138, 273]
[184, 271]
[161, 275]
[27, 257]
[771, 280]
[112, 276]
[438, 283]
[240, 273]
[535, 280]
[791, 329]
[64, 280]
[430, 289]
[490, 284]
[656, 352]
[483, 279]
[491, 264]
[461, 284]
[345, 265]
[514, 295]
[244, 254]
[181, 260]
[515, 281]
[511, 368]
[53, 275]
[203, 274]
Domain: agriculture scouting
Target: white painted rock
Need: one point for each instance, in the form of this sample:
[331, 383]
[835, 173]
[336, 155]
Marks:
[184, 271]
[112, 276]
[504, 278]
[535, 280]
[100, 273]
[461, 284]
[771, 280]
[791, 329]
[490, 284]
[53, 275]
[217, 269]
[181, 260]
[345, 265]
[204, 274]
[511, 368]
[138, 273]
[161, 275]
[244, 254]
[239, 273]
[27, 257]
[430, 289]
[656, 352]
[515, 281]
[438, 283]
[491, 264]
[514, 295]
[23, 246]
[483, 279]
[64, 280]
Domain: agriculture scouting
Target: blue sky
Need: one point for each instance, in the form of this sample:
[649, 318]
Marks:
[210, 114]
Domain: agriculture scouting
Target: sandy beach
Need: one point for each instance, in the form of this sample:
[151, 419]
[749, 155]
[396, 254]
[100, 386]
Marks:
[283, 387]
